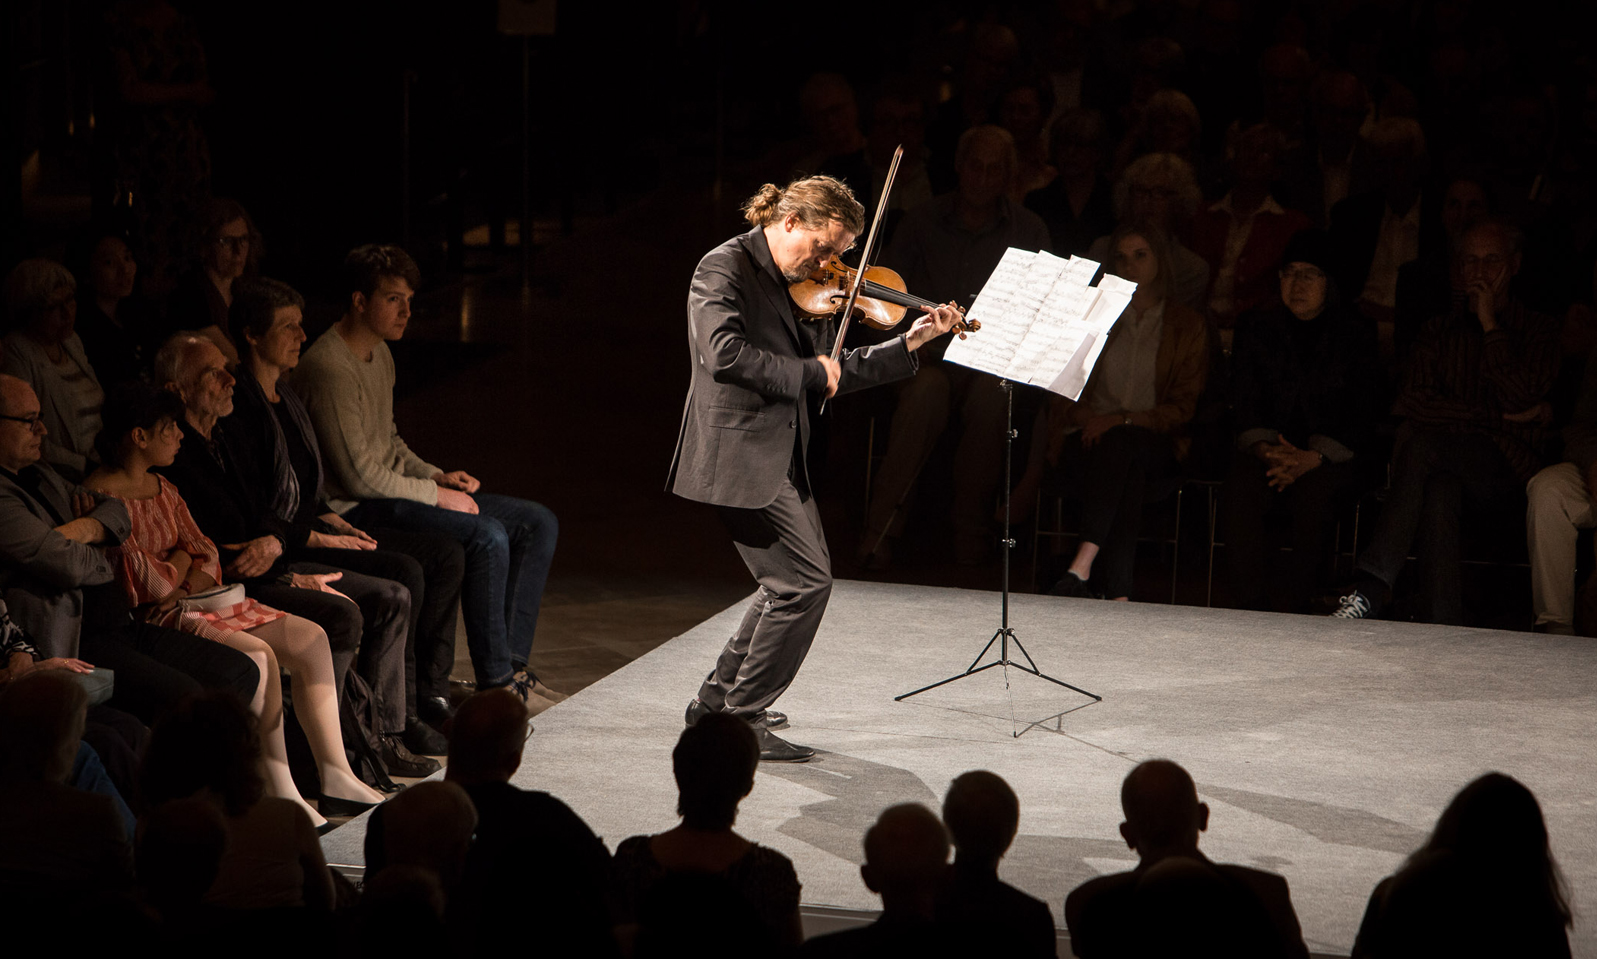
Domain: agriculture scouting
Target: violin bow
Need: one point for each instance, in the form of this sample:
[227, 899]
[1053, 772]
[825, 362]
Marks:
[870, 240]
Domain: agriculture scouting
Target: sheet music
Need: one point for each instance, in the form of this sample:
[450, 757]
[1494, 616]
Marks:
[1047, 325]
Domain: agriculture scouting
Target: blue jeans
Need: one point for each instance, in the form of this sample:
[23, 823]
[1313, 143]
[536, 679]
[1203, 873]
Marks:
[509, 545]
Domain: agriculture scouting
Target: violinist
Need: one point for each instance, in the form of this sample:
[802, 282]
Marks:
[745, 427]
[945, 250]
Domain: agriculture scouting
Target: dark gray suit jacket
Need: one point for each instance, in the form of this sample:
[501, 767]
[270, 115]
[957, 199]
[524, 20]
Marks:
[747, 396]
[42, 573]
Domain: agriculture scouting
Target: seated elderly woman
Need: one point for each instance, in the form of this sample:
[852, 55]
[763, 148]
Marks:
[41, 348]
[209, 746]
[1306, 393]
[171, 573]
[1127, 427]
[754, 887]
[271, 427]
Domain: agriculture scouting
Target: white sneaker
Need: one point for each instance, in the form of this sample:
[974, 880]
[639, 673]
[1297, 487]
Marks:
[1354, 605]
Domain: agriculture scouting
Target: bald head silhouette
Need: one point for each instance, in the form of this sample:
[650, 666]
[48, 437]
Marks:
[1163, 814]
[486, 738]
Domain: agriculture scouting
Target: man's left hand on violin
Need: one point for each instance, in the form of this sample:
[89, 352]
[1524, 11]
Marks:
[932, 325]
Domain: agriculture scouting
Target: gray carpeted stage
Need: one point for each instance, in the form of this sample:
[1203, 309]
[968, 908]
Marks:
[1325, 749]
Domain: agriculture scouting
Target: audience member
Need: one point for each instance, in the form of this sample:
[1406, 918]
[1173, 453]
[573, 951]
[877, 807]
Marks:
[1334, 164]
[1374, 233]
[1160, 189]
[1168, 123]
[112, 739]
[1125, 433]
[564, 897]
[1243, 235]
[714, 763]
[179, 853]
[428, 826]
[227, 248]
[831, 117]
[170, 569]
[1560, 505]
[1117, 914]
[945, 250]
[897, 118]
[1023, 110]
[1306, 391]
[229, 494]
[990, 56]
[1075, 206]
[272, 428]
[59, 585]
[906, 863]
[1473, 435]
[1431, 284]
[977, 910]
[55, 836]
[374, 479]
[1484, 884]
[117, 328]
[42, 350]
[210, 748]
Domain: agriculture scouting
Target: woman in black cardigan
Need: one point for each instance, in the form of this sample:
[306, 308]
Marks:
[1306, 393]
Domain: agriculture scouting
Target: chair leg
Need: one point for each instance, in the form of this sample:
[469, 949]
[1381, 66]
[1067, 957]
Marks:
[1208, 592]
[1175, 556]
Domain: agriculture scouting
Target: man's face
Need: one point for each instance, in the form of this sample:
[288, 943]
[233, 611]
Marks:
[1485, 258]
[387, 311]
[985, 173]
[209, 390]
[800, 250]
[21, 443]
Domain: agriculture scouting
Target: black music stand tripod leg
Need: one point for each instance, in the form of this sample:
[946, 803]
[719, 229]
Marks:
[1005, 634]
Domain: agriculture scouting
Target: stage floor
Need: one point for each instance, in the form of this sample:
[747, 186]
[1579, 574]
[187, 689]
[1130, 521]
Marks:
[1324, 748]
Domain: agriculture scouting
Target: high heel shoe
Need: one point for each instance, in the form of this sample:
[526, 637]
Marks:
[336, 806]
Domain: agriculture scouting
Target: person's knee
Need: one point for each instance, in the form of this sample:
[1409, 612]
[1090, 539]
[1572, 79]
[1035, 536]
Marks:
[1553, 488]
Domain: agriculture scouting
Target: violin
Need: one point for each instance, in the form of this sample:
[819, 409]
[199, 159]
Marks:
[883, 298]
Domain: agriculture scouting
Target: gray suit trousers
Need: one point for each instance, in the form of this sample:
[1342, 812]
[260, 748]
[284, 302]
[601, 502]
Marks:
[785, 549]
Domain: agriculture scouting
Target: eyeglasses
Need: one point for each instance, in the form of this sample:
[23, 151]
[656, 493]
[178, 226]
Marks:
[1492, 261]
[31, 422]
[1306, 274]
[234, 243]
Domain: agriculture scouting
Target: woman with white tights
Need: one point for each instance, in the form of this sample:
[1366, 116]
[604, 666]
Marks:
[166, 559]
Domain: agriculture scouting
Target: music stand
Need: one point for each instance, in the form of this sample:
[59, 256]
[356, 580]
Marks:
[1005, 634]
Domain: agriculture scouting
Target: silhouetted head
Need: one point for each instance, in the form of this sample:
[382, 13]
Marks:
[428, 825]
[41, 720]
[180, 849]
[209, 742]
[982, 814]
[906, 857]
[714, 763]
[486, 737]
[1496, 823]
[1163, 815]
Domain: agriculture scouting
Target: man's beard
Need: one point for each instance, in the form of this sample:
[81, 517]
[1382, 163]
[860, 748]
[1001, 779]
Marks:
[798, 274]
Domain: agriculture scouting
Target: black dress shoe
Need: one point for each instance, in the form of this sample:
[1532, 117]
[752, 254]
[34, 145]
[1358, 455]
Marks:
[326, 828]
[775, 749]
[423, 740]
[402, 762]
[771, 720]
[1072, 585]
[330, 806]
[435, 710]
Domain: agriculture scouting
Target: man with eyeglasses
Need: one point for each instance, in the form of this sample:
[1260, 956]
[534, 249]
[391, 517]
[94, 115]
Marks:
[1476, 424]
[60, 587]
